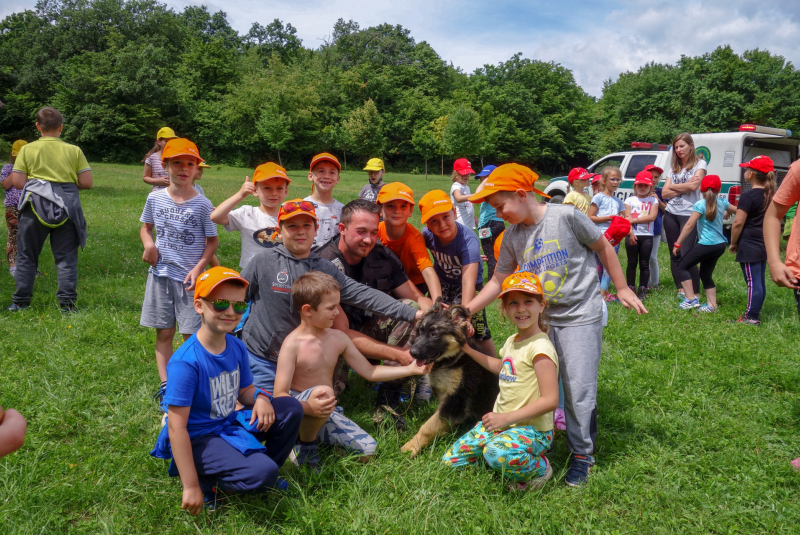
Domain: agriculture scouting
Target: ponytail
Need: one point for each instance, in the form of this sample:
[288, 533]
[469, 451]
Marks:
[768, 180]
[155, 149]
[711, 204]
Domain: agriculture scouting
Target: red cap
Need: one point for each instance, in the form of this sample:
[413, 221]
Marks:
[711, 182]
[577, 173]
[463, 167]
[761, 163]
[617, 230]
[654, 168]
[643, 177]
[325, 157]
[596, 178]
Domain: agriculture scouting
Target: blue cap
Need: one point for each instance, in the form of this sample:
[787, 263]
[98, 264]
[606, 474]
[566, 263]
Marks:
[486, 170]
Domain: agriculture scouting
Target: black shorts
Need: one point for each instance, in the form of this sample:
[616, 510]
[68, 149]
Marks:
[452, 296]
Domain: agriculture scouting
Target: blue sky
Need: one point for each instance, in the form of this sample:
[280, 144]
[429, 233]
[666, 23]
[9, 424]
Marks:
[597, 40]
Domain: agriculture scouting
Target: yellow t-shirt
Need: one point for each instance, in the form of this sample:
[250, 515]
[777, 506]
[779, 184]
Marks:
[50, 158]
[581, 201]
[518, 383]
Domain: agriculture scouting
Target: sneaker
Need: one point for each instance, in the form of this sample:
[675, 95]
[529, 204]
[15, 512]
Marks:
[159, 396]
[307, 454]
[747, 321]
[707, 308]
[424, 391]
[68, 308]
[579, 468]
[689, 304]
[559, 420]
[212, 500]
[535, 483]
[681, 295]
[16, 307]
[641, 293]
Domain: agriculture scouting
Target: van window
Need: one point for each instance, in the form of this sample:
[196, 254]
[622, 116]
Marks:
[638, 163]
[613, 161]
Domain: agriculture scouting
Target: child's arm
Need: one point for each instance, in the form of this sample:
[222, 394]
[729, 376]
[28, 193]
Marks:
[181, 444]
[592, 213]
[460, 197]
[736, 228]
[687, 228]
[490, 363]
[362, 367]
[547, 376]
[85, 180]
[220, 213]
[730, 210]
[211, 247]
[150, 252]
[778, 271]
[489, 292]
[610, 260]
[432, 280]
[262, 408]
[12, 431]
[629, 217]
[469, 276]
[651, 215]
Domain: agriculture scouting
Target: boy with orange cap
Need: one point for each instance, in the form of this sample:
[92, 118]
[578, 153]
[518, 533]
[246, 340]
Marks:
[324, 176]
[255, 223]
[557, 242]
[186, 240]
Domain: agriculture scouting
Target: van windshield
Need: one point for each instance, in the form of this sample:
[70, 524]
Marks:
[638, 163]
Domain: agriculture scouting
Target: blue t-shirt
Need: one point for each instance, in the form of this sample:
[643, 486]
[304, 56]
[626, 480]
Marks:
[710, 232]
[449, 260]
[488, 213]
[606, 206]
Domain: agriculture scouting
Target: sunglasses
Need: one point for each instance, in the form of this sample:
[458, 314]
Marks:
[291, 206]
[221, 305]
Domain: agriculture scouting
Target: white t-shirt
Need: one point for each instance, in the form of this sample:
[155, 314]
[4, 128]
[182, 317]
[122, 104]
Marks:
[250, 222]
[639, 208]
[682, 204]
[328, 216]
[464, 210]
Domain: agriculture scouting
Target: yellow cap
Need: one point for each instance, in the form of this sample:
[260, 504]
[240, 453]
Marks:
[166, 133]
[18, 144]
[375, 164]
[204, 165]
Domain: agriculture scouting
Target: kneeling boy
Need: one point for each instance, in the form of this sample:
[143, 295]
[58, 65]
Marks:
[212, 445]
[305, 370]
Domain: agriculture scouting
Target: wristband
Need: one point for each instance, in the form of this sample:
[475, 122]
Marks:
[677, 245]
[262, 392]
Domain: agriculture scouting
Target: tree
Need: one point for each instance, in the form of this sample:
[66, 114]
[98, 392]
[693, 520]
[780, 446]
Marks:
[463, 134]
[364, 130]
[275, 38]
[426, 143]
[274, 128]
[437, 127]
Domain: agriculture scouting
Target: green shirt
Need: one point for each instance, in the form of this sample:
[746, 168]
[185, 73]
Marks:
[50, 158]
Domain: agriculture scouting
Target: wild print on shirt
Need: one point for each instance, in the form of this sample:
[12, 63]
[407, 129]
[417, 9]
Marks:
[224, 389]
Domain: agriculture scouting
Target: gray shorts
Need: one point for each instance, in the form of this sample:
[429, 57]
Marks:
[341, 431]
[166, 302]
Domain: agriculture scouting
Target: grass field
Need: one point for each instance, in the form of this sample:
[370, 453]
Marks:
[698, 418]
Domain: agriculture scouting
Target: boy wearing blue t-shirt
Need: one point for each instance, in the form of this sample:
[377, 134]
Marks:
[212, 445]
[456, 259]
[185, 242]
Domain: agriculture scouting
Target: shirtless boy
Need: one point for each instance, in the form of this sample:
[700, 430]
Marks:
[305, 371]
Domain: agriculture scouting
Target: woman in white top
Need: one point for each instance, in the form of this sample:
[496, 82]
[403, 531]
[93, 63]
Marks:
[681, 191]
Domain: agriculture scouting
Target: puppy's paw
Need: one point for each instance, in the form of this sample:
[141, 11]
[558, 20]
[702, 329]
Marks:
[411, 448]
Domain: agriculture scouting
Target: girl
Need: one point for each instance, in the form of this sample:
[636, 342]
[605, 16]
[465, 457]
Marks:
[641, 209]
[605, 206]
[514, 437]
[459, 193]
[579, 179]
[154, 173]
[655, 281]
[11, 201]
[747, 237]
[680, 192]
[709, 211]
[489, 225]
[596, 177]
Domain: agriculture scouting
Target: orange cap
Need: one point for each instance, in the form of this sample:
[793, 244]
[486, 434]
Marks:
[522, 281]
[395, 191]
[179, 146]
[508, 177]
[433, 203]
[325, 157]
[211, 278]
[296, 207]
[268, 170]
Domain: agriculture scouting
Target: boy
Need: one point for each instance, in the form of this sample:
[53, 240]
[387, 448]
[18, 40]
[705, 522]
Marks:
[271, 273]
[375, 172]
[255, 223]
[397, 202]
[456, 259]
[212, 445]
[556, 243]
[201, 167]
[305, 370]
[324, 175]
[186, 240]
[50, 173]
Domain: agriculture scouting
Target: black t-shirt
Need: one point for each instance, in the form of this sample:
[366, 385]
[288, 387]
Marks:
[381, 270]
[750, 247]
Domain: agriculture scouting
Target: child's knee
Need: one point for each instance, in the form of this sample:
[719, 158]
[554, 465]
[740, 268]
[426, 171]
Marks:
[163, 335]
[323, 391]
[264, 474]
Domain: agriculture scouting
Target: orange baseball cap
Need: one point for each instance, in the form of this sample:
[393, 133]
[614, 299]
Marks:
[433, 203]
[268, 170]
[508, 177]
[180, 146]
[325, 157]
[296, 207]
[395, 191]
[522, 281]
[212, 278]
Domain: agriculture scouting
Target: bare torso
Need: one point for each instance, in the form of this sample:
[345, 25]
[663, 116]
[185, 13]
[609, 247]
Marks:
[316, 357]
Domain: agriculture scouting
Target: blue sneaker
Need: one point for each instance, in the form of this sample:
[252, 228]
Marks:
[707, 308]
[689, 304]
[579, 467]
[212, 500]
[159, 397]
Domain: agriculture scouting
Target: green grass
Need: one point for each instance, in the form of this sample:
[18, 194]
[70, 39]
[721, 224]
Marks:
[698, 419]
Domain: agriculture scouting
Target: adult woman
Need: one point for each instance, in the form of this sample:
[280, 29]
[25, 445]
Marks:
[154, 174]
[681, 191]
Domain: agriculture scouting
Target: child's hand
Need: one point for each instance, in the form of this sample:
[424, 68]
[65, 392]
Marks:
[247, 189]
[192, 501]
[163, 182]
[416, 369]
[264, 412]
[150, 255]
[632, 239]
[733, 247]
[495, 421]
[321, 405]
[191, 278]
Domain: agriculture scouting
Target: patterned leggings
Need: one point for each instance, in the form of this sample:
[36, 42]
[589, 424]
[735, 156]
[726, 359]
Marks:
[12, 215]
[517, 453]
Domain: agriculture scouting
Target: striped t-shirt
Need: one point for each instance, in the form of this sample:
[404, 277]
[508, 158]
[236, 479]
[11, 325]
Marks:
[156, 169]
[181, 231]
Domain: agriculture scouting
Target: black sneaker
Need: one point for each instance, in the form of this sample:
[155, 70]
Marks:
[68, 308]
[579, 467]
[16, 307]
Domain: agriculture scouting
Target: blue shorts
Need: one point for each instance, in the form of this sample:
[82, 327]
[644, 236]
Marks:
[263, 372]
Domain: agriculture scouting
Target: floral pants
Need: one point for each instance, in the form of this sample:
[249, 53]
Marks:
[12, 215]
[517, 453]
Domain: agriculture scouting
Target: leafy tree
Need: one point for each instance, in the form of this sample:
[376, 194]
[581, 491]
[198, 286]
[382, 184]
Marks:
[438, 127]
[275, 38]
[364, 130]
[426, 143]
[274, 128]
[463, 134]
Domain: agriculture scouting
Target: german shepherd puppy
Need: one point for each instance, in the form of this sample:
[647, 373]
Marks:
[466, 391]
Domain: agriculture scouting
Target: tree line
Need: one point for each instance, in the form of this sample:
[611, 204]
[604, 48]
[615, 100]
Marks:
[120, 69]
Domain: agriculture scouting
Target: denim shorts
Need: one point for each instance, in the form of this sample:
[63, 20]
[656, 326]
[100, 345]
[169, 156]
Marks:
[263, 372]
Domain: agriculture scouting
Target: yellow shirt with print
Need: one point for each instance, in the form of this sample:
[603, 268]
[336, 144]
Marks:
[49, 158]
[581, 201]
[518, 383]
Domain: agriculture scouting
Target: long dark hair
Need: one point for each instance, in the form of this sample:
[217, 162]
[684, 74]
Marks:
[768, 181]
[710, 195]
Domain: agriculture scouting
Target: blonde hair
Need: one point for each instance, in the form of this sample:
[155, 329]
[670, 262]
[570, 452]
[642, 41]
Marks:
[768, 181]
[691, 160]
[607, 173]
[710, 196]
[311, 287]
[543, 324]
[455, 175]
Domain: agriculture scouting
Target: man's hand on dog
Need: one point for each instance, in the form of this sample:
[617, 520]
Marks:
[321, 405]
[495, 421]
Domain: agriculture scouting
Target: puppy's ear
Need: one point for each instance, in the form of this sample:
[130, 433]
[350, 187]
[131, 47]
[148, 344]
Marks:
[458, 313]
[438, 305]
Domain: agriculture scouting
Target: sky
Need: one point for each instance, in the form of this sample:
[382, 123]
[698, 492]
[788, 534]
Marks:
[597, 40]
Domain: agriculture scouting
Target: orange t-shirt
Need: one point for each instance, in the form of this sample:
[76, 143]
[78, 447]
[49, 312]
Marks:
[411, 251]
[787, 195]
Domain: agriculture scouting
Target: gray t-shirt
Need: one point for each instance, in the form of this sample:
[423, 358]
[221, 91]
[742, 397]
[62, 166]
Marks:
[370, 191]
[556, 249]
